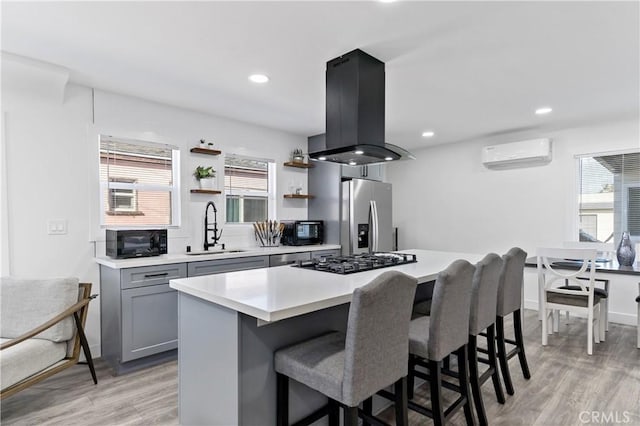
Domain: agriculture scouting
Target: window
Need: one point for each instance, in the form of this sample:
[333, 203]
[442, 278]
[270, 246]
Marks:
[122, 200]
[139, 183]
[248, 185]
[633, 209]
[609, 196]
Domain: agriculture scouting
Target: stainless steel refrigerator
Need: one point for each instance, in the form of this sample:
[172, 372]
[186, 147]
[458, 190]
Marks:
[366, 223]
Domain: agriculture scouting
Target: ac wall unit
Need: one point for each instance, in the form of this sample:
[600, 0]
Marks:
[517, 154]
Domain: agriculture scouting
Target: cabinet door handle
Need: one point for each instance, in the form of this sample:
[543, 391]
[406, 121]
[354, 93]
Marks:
[163, 274]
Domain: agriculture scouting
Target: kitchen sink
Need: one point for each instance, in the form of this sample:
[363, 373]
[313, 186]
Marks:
[203, 252]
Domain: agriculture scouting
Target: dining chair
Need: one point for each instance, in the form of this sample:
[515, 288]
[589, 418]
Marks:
[554, 298]
[606, 252]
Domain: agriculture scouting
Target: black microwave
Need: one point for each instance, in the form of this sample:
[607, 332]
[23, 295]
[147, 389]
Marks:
[302, 232]
[128, 243]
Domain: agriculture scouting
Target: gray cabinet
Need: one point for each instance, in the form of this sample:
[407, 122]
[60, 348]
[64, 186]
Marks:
[371, 171]
[149, 321]
[139, 315]
[139, 311]
[208, 267]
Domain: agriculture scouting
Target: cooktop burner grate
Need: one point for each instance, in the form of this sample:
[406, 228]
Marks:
[356, 263]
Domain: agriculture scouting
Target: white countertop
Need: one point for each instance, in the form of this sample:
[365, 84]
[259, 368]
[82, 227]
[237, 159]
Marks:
[166, 259]
[273, 294]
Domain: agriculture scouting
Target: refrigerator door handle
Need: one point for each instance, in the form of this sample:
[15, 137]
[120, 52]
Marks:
[374, 228]
[370, 230]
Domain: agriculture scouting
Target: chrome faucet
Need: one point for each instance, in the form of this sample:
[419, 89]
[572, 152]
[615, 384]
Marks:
[215, 237]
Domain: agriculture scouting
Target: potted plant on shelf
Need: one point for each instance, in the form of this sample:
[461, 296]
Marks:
[297, 156]
[205, 176]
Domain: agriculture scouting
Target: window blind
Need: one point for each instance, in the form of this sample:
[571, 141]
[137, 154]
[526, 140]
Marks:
[609, 196]
[246, 184]
[137, 182]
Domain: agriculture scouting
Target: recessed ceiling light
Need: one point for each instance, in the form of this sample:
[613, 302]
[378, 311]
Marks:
[358, 152]
[258, 78]
[428, 134]
[386, 1]
[543, 110]
[352, 163]
[388, 158]
[322, 158]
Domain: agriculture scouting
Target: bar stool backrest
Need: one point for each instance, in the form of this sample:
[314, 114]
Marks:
[511, 281]
[484, 297]
[450, 310]
[377, 341]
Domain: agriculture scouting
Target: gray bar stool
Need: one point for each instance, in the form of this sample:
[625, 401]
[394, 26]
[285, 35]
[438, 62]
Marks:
[484, 300]
[350, 368]
[510, 302]
[446, 331]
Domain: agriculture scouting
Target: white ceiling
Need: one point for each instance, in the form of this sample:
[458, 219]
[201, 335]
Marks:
[463, 69]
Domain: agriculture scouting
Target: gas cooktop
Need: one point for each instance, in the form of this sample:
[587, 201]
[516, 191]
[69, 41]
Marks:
[356, 263]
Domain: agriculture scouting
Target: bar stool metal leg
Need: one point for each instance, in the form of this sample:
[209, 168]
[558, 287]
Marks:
[493, 362]
[435, 385]
[475, 381]
[502, 355]
[334, 413]
[400, 391]
[517, 324]
[367, 407]
[350, 416]
[463, 362]
[282, 397]
[411, 376]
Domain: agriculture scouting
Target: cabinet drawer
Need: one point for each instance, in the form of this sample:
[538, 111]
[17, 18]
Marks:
[149, 321]
[151, 275]
[208, 267]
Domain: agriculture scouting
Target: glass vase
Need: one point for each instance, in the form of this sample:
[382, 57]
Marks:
[625, 253]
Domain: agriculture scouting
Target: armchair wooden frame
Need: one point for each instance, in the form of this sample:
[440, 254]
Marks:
[79, 313]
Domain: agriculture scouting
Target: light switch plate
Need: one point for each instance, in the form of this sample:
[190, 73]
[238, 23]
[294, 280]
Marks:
[57, 227]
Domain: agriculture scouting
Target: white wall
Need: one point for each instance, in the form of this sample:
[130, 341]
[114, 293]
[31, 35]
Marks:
[136, 118]
[447, 200]
[50, 158]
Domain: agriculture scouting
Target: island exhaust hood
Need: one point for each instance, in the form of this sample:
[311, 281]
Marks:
[355, 112]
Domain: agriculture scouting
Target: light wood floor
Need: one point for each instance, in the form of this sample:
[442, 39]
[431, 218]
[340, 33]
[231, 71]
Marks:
[565, 382]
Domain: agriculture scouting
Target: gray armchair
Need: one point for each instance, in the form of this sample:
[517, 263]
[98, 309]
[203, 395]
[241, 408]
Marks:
[41, 330]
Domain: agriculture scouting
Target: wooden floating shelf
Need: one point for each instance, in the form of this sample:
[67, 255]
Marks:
[299, 165]
[206, 151]
[205, 191]
[298, 196]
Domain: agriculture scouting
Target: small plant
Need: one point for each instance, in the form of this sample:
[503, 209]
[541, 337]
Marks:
[204, 172]
[297, 155]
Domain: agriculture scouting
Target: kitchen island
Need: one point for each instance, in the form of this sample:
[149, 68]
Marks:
[230, 324]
